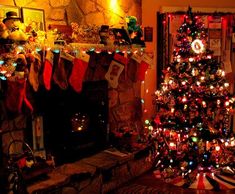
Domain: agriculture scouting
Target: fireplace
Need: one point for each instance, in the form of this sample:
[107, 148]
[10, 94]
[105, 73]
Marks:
[75, 124]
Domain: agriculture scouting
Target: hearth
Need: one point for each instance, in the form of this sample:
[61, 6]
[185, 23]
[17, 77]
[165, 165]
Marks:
[75, 124]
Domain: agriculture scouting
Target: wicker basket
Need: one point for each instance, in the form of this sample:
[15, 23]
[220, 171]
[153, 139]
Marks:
[24, 152]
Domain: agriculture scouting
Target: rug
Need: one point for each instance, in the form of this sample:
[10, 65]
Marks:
[149, 183]
[203, 181]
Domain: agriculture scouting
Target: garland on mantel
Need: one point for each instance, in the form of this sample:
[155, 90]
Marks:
[11, 53]
[34, 63]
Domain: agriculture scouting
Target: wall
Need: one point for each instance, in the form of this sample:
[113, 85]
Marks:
[149, 15]
[83, 11]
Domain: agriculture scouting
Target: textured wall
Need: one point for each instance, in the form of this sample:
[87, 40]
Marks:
[83, 11]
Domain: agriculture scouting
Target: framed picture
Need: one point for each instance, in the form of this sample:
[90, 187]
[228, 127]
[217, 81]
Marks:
[38, 136]
[121, 36]
[148, 34]
[35, 18]
[6, 8]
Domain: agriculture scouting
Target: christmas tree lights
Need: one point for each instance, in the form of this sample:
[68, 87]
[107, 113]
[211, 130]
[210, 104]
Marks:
[191, 131]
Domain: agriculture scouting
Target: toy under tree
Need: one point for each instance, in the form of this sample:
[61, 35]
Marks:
[191, 132]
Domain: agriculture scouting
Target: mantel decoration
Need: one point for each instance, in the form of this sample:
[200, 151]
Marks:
[27, 50]
[26, 38]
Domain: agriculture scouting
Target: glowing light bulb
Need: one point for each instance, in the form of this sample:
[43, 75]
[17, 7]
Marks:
[193, 72]
[79, 128]
[202, 78]
[172, 145]
[217, 148]
[213, 175]
[3, 72]
[221, 88]
[184, 99]
[147, 122]
[223, 73]
[150, 128]
[227, 103]
[191, 59]
[204, 104]
[232, 143]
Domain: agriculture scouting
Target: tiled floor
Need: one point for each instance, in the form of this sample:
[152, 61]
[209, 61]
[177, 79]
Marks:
[147, 184]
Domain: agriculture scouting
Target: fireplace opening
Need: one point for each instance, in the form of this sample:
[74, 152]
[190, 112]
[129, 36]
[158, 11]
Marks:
[75, 124]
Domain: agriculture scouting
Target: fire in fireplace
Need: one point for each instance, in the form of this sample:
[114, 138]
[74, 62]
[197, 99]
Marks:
[75, 124]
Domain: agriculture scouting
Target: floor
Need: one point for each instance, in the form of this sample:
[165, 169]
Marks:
[148, 184]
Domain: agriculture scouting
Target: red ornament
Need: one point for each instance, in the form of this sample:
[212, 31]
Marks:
[157, 119]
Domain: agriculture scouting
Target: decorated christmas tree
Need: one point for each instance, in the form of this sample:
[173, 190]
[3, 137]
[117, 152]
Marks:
[192, 130]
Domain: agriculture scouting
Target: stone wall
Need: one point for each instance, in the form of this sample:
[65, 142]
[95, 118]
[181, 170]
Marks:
[83, 11]
[101, 173]
[125, 108]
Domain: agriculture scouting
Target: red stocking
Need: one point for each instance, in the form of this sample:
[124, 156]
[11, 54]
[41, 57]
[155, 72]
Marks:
[77, 75]
[16, 95]
[47, 71]
[61, 72]
[34, 71]
[143, 66]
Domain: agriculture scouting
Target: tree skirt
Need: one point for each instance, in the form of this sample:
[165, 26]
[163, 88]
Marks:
[203, 181]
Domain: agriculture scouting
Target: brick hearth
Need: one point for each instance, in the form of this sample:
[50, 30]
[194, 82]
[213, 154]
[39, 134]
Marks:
[100, 173]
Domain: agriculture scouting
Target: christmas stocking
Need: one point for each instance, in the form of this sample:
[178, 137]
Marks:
[34, 71]
[62, 70]
[115, 69]
[143, 66]
[77, 74]
[135, 61]
[16, 95]
[132, 69]
[47, 71]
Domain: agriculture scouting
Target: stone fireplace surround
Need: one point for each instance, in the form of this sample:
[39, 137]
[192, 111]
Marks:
[124, 111]
[124, 102]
